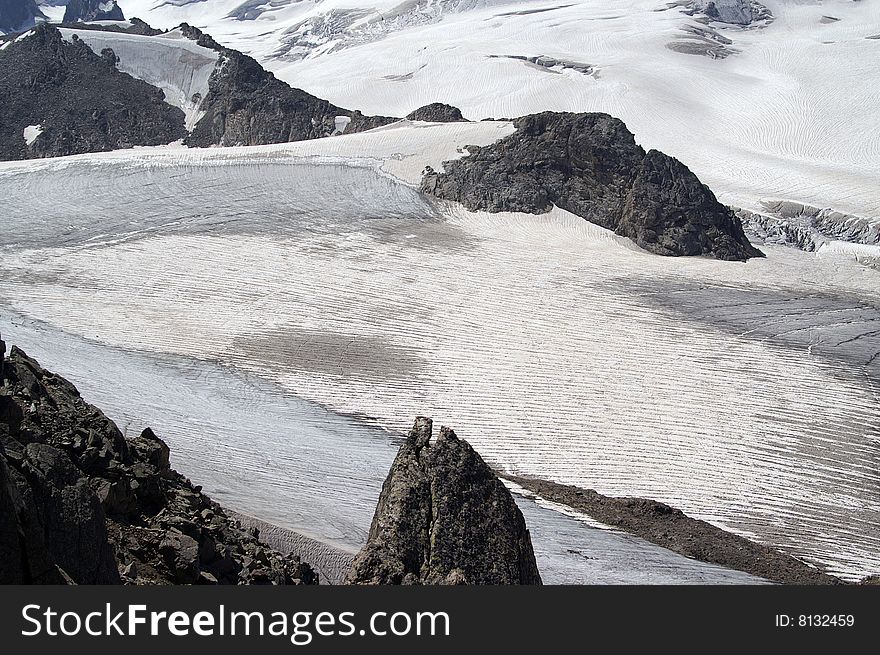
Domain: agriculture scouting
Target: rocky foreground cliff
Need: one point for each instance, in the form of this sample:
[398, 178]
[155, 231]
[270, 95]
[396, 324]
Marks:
[445, 518]
[589, 164]
[81, 504]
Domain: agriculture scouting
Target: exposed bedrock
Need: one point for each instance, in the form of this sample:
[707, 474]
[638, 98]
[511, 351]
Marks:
[733, 12]
[248, 105]
[59, 98]
[80, 503]
[444, 518]
[437, 112]
[589, 164]
[84, 11]
[672, 529]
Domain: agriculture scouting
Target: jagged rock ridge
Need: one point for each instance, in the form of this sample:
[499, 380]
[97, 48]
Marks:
[444, 518]
[248, 105]
[733, 12]
[589, 164]
[59, 97]
[84, 11]
[80, 503]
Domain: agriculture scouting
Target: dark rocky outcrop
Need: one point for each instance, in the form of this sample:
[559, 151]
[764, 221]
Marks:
[673, 529]
[437, 112]
[589, 164]
[17, 15]
[78, 99]
[444, 518]
[81, 503]
[84, 11]
[132, 26]
[248, 105]
[732, 12]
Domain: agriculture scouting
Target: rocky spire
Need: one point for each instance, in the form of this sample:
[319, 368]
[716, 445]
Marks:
[444, 518]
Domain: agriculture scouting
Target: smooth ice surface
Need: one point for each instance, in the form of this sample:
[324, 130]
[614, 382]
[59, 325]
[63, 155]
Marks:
[177, 65]
[745, 394]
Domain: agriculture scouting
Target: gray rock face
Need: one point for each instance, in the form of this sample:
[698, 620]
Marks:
[17, 15]
[81, 503]
[437, 112]
[84, 11]
[247, 105]
[79, 100]
[808, 228]
[590, 165]
[734, 12]
[444, 518]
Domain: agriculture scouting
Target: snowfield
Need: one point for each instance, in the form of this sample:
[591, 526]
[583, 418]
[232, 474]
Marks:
[792, 114]
[171, 62]
[745, 394]
[281, 313]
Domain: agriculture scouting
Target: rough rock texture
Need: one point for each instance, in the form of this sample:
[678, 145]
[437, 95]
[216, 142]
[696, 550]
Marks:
[672, 529]
[132, 26]
[76, 101]
[247, 105]
[437, 112]
[84, 11]
[81, 503]
[590, 165]
[17, 15]
[733, 12]
[444, 518]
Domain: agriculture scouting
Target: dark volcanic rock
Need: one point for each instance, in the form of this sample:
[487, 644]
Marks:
[247, 105]
[17, 15]
[437, 112]
[444, 518]
[84, 11]
[81, 503]
[79, 100]
[590, 165]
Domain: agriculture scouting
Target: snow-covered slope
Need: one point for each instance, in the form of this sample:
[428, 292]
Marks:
[791, 113]
[170, 61]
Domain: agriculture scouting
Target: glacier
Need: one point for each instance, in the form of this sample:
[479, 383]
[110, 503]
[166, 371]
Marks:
[744, 394]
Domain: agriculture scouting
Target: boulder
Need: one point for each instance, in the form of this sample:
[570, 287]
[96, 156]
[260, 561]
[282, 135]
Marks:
[437, 112]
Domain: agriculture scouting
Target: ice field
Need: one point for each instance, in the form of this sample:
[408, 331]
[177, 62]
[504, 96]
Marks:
[280, 314]
[791, 114]
[745, 394]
